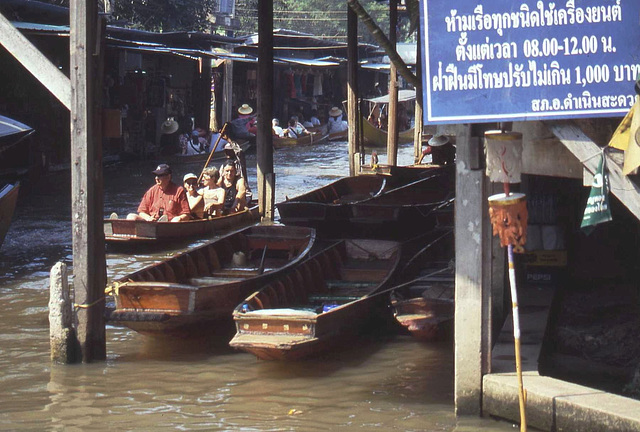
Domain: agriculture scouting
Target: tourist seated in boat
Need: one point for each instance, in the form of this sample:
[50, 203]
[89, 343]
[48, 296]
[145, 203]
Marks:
[296, 129]
[336, 123]
[212, 193]
[195, 199]
[275, 127]
[235, 189]
[164, 201]
[196, 142]
[442, 151]
[374, 115]
[314, 120]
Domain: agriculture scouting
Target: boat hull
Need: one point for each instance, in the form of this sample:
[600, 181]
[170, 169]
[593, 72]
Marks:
[375, 137]
[306, 140]
[323, 303]
[197, 290]
[130, 232]
[8, 200]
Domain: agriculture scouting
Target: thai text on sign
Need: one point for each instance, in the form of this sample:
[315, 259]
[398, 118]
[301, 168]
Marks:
[531, 60]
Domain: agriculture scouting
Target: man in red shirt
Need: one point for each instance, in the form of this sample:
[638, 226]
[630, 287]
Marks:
[164, 201]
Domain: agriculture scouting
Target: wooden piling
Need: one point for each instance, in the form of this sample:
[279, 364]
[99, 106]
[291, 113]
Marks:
[62, 336]
[353, 107]
[392, 119]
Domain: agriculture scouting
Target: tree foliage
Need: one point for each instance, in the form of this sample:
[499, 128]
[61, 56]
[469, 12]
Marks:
[165, 15]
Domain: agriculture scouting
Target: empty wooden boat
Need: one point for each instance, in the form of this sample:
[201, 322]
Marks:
[321, 303]
[198, 289]
[425, 307]
[120, 232]
[8, 200]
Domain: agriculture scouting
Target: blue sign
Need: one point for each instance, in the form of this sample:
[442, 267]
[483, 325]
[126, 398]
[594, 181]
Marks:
[488, 61]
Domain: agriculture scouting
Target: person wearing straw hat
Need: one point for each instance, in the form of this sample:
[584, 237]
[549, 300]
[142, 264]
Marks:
[246, 112]
[335, 123]
[163, 202]
[442, 151]
[169, 140]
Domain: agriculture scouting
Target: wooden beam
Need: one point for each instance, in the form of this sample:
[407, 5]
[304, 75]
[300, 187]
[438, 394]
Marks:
[353, 107]
[418, 112]
[585, 150]
[392, 109]
[264, 138]
[35, 62]
[87, 207]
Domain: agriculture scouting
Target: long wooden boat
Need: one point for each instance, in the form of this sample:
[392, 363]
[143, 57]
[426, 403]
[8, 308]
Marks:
[376, 137]
[305, 140]
[333, 136]
[198, 289]
[374, 206]
[8, 199]
[322, 303]
[426, 307]
[217, 157]
[121, 232]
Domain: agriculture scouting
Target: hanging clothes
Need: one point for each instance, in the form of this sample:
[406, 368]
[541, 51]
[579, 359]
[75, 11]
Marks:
[317, 84]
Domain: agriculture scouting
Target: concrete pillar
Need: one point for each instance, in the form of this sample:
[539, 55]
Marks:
[62, 336]
[472, 294]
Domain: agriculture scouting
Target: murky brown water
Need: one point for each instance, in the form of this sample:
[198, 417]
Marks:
[388, 382]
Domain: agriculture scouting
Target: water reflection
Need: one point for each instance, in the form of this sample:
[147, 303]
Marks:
[384, 382]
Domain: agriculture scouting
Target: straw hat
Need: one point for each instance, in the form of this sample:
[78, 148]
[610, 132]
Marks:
[335, 111]
[245, 109]
[438, 140]
[169, 126]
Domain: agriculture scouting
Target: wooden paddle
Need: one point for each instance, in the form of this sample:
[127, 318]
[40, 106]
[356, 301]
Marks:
[215, 146]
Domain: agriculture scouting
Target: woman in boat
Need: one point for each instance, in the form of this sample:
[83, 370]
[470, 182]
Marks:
[196, 201]
[235, 190]
[212, 193]
[295, 129]
[275, 127]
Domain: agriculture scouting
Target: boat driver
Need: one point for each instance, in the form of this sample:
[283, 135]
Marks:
[164, 201]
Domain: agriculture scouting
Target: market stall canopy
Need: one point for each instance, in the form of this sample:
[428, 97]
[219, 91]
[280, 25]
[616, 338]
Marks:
[403, 96]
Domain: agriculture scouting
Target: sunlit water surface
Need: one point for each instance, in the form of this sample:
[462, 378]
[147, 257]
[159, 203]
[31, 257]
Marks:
[388, 382]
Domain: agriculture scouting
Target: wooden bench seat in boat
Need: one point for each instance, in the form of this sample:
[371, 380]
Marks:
[291, 312]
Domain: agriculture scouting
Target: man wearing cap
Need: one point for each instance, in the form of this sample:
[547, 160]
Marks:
[196, 201]
[164, 201]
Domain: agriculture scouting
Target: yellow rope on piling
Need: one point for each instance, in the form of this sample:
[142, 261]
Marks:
[87, 306]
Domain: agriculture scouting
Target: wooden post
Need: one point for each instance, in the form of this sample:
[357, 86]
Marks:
[264, 138]
[86, 178]
[227, 92]
[417, 119]
[392, 119]
[62, 335]
[353, 107]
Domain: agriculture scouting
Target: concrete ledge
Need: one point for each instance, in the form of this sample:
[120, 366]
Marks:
[555, 405]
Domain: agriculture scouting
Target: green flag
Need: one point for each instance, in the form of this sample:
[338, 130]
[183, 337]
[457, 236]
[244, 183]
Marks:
[597, 209]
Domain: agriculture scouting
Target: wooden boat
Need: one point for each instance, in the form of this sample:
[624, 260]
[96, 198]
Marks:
[198, 289]
[322, 303]
[130, 232]
[8, 199]
[218, 157]
[12, 132]
[373, 206]
[376, 137]
[305, 140]
[334, 136]
[426, 307]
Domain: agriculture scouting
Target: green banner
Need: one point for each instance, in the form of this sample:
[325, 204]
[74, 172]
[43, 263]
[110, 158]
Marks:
[597, 209]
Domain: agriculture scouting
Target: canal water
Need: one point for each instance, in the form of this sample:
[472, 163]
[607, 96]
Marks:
[387, 382]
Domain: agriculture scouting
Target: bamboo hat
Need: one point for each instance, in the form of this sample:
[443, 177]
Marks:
[169, 126]
[245, 109]
[438, 140]
[335, 111]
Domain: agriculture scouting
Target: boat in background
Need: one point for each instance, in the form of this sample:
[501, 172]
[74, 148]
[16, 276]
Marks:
[8, 200]
[333, 136]
[196, 291]
[376, 137]
[305, 140]
[218, 156]
[121, 232]
[322, 303]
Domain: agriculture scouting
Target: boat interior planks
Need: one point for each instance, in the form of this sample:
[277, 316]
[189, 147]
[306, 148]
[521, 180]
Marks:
[323, 302]
[203, 285]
